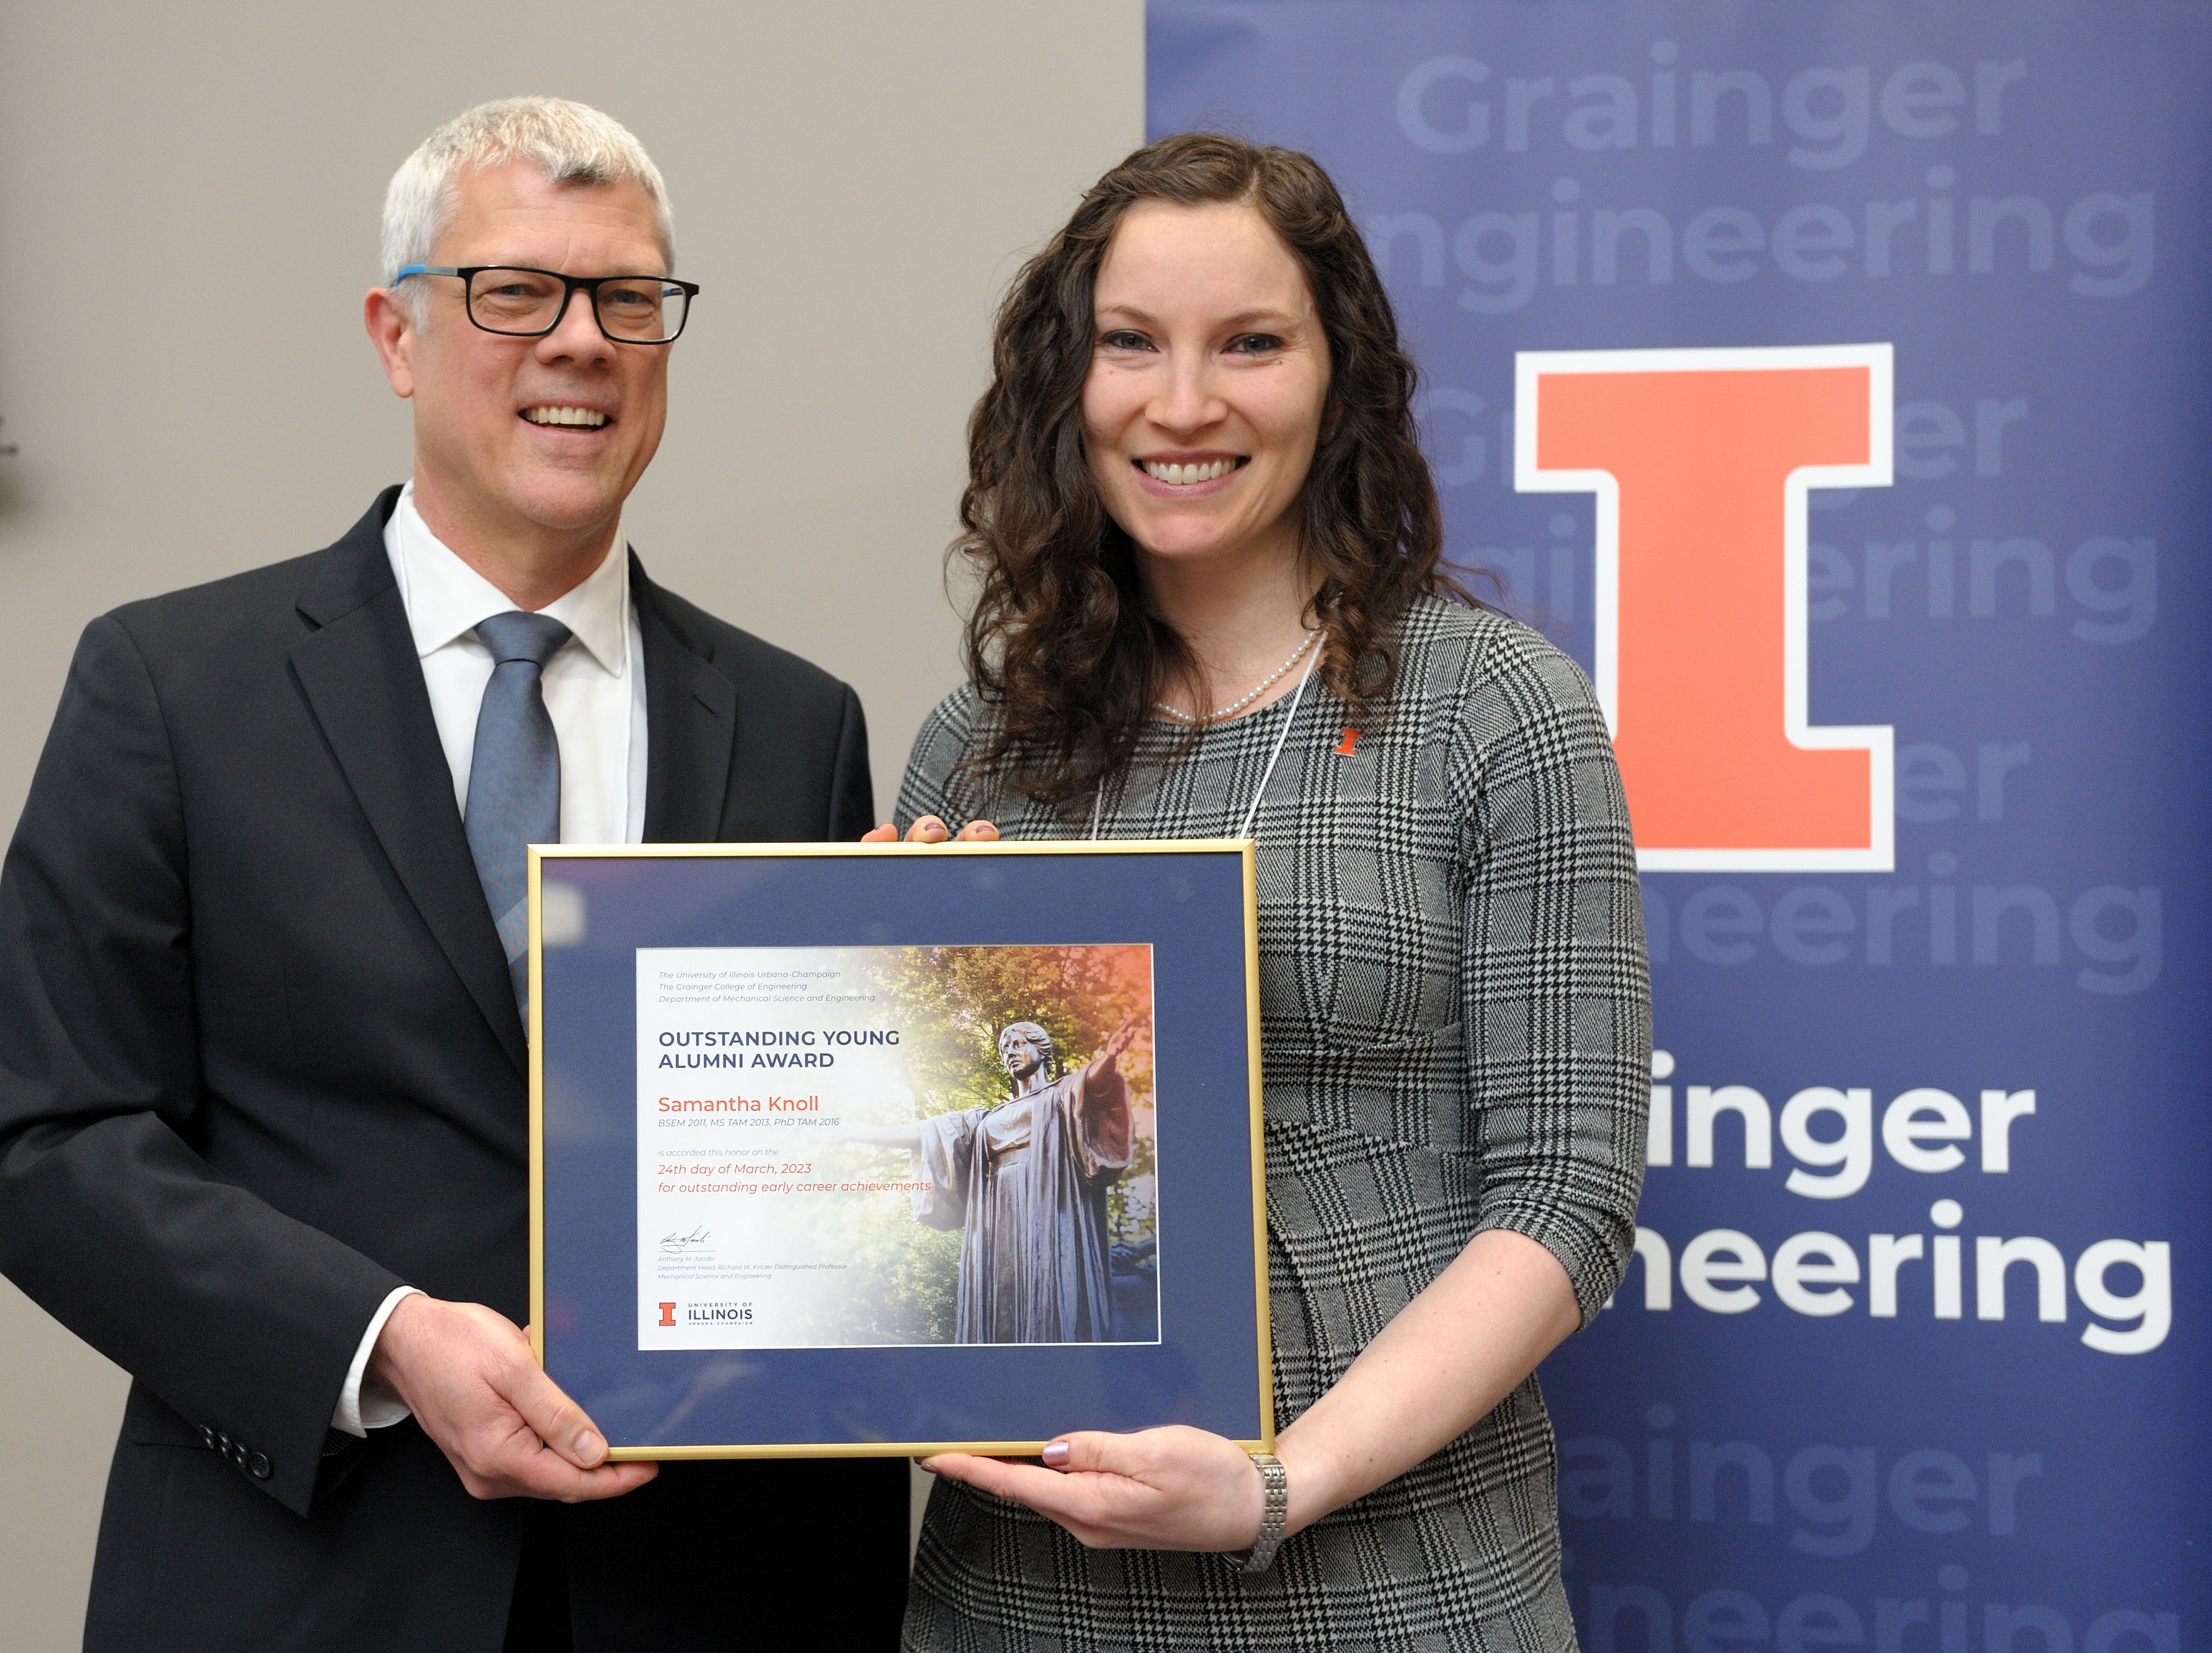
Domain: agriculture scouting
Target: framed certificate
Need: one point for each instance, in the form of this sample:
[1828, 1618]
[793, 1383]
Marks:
[888, 1149]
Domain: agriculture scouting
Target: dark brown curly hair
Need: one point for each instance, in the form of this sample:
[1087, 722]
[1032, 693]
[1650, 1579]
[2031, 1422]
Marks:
[1061, 643]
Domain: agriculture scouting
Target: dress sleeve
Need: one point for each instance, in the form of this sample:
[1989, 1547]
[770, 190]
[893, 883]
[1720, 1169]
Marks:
[932, 785]
[1103, 1136]
[1555, 986]
[946, 1142]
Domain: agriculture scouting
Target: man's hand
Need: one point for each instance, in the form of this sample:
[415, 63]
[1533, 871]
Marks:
[931, 830]
[467, 1374]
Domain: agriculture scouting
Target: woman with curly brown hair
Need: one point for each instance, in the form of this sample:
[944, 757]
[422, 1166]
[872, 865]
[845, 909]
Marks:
[1213, 604]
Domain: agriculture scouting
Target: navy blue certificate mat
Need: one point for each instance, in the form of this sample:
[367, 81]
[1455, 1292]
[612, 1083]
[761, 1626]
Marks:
[1191, 903]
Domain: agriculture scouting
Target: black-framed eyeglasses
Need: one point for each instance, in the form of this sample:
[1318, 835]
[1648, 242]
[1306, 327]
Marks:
[525, 303]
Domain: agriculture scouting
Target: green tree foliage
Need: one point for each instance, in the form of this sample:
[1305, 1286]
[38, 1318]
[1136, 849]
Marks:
[963, 995]
[913, 1275]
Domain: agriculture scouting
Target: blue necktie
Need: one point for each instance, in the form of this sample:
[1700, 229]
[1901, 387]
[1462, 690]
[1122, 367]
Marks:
[514, 778]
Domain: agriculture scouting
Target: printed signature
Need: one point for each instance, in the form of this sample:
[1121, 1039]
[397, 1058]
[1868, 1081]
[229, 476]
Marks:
[678, 1242]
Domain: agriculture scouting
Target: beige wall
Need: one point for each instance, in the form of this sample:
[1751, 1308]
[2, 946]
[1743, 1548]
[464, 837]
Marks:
[188, 201]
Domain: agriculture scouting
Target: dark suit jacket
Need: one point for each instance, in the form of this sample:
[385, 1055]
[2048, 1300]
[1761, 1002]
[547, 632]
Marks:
[261, 1063]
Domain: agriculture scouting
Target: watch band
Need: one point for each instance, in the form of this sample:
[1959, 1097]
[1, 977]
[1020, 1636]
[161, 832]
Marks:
[1275, 1483]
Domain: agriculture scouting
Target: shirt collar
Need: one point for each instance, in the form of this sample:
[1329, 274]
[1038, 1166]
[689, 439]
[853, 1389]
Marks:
[445, 598]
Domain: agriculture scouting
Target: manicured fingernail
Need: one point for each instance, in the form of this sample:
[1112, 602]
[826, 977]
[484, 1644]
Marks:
[590, 1448]
[925, 1466]
[1055, 1455]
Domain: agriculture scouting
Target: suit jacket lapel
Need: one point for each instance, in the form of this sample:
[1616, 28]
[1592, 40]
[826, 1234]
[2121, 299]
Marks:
[361, 677]
[691, 723]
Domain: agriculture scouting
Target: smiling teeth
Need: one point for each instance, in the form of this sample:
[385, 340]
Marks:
[1184, 474]
[564, 417]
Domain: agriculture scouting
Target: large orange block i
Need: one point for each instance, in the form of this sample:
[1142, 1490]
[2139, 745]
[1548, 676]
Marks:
[1701, 461]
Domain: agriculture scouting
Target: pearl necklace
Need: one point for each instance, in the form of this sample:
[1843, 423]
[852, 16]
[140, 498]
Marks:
[1252, 814]
[1240, 703]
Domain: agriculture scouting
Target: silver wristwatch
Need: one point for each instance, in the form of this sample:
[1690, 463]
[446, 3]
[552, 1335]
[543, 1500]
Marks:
[1275, 1481]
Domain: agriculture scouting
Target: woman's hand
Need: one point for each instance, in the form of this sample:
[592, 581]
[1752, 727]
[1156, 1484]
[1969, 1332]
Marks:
[1445, 1360]
[1176, 1488]
[931, 830]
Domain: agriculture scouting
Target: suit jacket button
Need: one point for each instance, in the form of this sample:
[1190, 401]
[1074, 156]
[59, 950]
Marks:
[261, 1467]
[207, 1436]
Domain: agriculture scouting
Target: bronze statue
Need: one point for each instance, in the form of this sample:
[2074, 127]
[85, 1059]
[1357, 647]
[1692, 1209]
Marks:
[1025, 1181]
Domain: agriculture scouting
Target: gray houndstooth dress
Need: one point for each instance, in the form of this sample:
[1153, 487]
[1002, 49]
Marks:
[1455, 1032]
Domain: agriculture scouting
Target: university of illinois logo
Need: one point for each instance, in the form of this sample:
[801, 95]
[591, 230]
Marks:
[667, 1315]
[1701, 461]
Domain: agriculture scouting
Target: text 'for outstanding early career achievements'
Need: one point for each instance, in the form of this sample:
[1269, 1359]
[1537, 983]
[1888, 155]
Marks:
[841, 1146]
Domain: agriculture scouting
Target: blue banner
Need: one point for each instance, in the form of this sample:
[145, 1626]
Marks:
[1832, 381]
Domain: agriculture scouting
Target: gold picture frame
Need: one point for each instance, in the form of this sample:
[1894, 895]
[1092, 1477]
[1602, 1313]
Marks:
[1022, 860]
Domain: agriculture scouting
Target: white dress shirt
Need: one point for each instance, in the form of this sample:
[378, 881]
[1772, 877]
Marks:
[594, 688]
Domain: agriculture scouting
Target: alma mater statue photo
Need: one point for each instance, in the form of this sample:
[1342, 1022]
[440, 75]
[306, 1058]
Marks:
[1025, 1181]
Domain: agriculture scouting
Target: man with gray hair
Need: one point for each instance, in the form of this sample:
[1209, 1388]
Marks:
[262, 1113]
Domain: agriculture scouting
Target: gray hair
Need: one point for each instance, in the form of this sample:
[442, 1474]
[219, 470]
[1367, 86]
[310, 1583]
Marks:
[573, 141]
